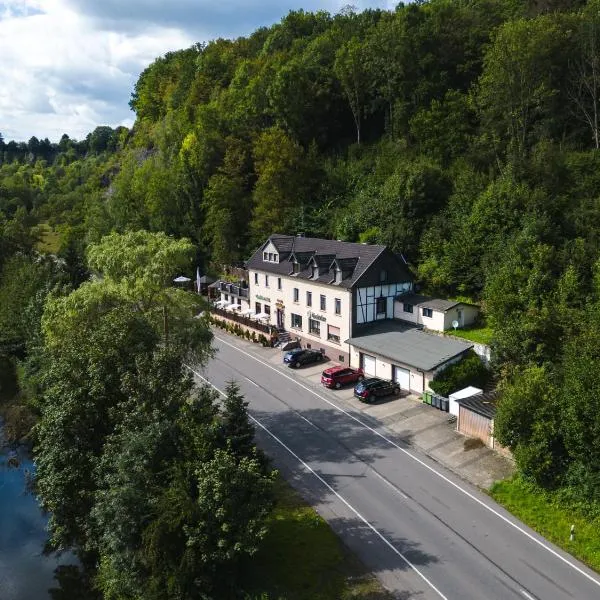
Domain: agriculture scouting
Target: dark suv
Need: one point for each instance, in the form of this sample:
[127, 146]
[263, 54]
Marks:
[336, 377]
[369, 389]
[302, 356]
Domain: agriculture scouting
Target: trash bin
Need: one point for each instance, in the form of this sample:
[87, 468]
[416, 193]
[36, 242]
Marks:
[427, 397]
[445, 404]
[435, 401]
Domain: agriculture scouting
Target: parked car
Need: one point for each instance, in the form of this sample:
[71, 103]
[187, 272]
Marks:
[302, 356]
[373, 387]
[336, 377]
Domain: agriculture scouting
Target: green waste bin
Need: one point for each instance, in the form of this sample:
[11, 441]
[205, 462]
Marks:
[427, 397]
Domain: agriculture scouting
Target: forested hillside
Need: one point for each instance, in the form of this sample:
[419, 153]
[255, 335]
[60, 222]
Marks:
[464, 134]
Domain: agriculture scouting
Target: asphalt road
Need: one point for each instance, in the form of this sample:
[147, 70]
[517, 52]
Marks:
[425, 533]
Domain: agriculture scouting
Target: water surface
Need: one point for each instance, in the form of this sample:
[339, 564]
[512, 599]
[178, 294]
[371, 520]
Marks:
[25, 573]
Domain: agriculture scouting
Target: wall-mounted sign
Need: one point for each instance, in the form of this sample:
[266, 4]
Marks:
[279, 304]
[263, 298]
[316, 316]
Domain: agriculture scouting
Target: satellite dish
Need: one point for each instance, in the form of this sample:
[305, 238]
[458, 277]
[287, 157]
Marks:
[455, 324]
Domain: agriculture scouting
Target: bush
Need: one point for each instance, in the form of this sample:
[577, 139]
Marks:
[263, 340]
[469, 371]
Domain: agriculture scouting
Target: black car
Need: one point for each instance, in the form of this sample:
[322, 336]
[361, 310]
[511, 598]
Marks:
[369, 389]
[302, 356]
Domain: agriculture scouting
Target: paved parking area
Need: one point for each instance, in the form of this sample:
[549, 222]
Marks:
[417, 424]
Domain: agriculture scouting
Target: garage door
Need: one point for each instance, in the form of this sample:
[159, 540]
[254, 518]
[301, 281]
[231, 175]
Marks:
[402, 377]
[368, 364]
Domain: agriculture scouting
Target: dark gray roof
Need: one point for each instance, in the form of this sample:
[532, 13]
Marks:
[428, 302]
[482, 404]
[354, 259]
[206, 279]
[400, 342]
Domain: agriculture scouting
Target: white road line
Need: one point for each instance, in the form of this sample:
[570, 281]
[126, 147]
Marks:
[307, 420]
[418, 460]
[310, 470]
[252, 382]
[528, 596]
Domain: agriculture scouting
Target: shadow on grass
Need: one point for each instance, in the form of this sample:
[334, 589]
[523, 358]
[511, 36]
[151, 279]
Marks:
[303, 559]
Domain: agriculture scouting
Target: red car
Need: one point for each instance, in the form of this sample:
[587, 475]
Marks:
[336, 377]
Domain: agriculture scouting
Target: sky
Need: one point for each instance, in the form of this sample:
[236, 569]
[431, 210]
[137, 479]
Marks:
[67, 66]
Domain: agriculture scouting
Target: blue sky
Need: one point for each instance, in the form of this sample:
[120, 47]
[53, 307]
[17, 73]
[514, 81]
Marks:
[67, 66]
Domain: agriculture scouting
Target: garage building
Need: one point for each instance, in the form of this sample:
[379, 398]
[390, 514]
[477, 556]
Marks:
[404, 354]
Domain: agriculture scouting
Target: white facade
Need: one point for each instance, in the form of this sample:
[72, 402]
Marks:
[320, 315]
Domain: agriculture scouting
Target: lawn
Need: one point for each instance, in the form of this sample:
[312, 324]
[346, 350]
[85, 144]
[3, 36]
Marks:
[480, 334]
[543, 512]
[302, 559]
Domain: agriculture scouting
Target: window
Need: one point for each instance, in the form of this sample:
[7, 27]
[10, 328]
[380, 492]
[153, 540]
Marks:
[333, 334]
[257, 307]
[308, 298]
[407, 308]
[314, 327]
[267, 309]
[279, 283]
[315, 272]
[276, 258]
[338, 275]
[256, 278]
[296, 268]
[323, 302]
[265, 256]
[428, 312]
[338, 306]
[341, 358]
[381, 305]
[226, 298]
[270, 257]
[296, 321]
[266, 281]
[296, 294]
[382, 275]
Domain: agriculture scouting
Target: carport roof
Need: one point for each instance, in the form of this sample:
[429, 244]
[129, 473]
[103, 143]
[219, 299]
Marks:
[409, 345]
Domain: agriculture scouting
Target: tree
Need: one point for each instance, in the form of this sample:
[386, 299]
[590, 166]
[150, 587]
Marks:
[351, 70]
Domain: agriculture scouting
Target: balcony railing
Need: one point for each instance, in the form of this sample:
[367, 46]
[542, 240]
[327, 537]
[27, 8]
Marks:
[235, 290]
[233, 316]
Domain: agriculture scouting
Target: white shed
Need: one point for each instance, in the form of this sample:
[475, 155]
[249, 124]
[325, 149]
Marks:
[458, 395]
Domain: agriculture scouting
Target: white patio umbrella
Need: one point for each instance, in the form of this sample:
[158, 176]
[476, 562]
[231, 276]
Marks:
[248, 312]
[181, 279]
[261, 315]
[221, 303]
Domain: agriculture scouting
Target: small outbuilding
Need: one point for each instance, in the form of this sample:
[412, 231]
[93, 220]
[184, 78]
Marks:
[434, 313]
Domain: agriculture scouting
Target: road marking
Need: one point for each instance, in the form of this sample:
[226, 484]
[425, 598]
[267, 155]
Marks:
[313, 472]
[422, 463]
[252, 382]
[528, 596]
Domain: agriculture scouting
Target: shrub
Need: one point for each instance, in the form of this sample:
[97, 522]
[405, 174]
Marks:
[469, 371]
[254, 338]
[263, 340]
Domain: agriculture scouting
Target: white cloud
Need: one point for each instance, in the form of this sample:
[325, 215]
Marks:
[68, 66]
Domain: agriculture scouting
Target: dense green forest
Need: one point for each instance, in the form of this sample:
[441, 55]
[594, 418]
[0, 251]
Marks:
[463, 134]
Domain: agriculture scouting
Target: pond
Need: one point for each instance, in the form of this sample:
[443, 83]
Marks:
[25, 573]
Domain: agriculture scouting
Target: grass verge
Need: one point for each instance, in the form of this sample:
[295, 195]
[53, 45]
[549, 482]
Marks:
[302, 558]
[545, 513]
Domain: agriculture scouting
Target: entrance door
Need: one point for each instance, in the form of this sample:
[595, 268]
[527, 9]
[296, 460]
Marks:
[280, 318]
[368, 363]
[402, 377]
[459, 317]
